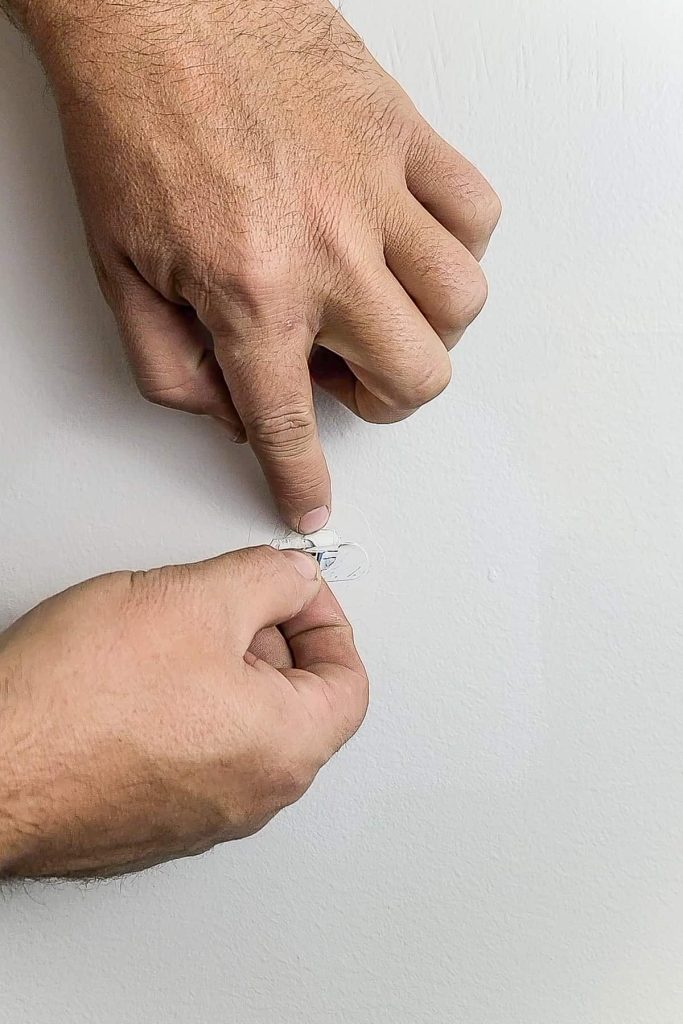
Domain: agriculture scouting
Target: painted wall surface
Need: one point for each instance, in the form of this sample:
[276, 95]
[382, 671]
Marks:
[501, 844]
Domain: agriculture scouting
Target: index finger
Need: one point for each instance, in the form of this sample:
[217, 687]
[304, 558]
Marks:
[270, 385]
[328, 674]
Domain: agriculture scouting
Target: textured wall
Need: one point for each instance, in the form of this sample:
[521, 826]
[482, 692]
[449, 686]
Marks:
[502, 842]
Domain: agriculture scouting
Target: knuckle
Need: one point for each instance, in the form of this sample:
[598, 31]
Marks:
[491, 211]
[197, 287]
[262, 563]
[353, 720]
[469, 298]
[174, 387]
[363, 699]
[246, 816]
[485, 208]
[287, 433]
[200, 281]
[273, 773]
[432, 382]
[291, 778]
[481, 206]
[283, 779]
[472, 185]
[475, 296]
[257, 279]
[248, 278]
[459, 295]
[260, 281]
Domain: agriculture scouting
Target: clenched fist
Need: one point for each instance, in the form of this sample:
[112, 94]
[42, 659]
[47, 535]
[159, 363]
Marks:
[145, 716]
[264, 204]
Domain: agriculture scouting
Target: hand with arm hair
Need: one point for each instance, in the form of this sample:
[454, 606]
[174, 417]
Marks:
[148, 716]
[264, 207]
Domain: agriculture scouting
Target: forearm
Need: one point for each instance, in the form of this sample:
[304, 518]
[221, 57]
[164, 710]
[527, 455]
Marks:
[38, 825]
[13, 835]
[91, 47]
[34, 17]
[7, 8]
[13, 840]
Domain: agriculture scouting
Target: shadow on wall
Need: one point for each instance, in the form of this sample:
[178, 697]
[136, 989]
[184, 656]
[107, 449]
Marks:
[70, 351]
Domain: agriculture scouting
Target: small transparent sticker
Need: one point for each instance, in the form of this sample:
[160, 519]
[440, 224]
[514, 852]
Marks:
[340, 561]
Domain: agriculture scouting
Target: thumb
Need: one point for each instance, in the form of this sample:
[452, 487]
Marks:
[258, 587]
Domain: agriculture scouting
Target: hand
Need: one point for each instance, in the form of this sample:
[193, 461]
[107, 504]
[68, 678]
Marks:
[146, 716]
[248, 173]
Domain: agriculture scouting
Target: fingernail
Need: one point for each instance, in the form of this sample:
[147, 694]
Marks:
[315, 520]
[305, 565]
[237, 434]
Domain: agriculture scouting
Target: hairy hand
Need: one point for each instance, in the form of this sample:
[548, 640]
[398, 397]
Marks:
[264, 203]
[152, 715]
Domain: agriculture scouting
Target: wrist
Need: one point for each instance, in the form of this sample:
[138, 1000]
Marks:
[84, 45]
[83, 42]
[14, 11]
[28, 15]
[44, 22]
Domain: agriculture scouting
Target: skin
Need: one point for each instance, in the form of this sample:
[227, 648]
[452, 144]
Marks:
[264, 205]
[147, 716]
[265, 209]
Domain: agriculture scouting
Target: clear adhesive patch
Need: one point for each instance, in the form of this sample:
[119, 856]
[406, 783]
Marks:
[340, 561]
[346, 550]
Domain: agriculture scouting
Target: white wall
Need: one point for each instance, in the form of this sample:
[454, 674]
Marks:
[502, 842]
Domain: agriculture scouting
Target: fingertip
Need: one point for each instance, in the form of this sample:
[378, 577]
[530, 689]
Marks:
[305, 497]
[305, 565]
[316, 519]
